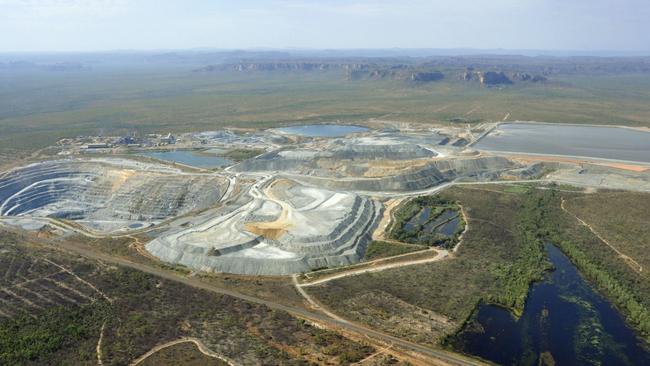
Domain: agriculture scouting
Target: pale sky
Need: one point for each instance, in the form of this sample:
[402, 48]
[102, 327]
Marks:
[92, 25]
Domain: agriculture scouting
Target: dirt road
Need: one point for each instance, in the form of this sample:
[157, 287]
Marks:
[202, 348]
[433, 354]
[441, 255]
[628, 260]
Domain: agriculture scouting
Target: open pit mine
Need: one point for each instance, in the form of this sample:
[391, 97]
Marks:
[297, 201]
[282, 228]
[106, 195]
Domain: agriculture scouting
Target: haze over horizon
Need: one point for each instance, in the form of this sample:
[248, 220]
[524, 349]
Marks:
[104, 25]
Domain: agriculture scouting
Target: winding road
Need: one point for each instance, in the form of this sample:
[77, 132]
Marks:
[431, 353]
[202, 348]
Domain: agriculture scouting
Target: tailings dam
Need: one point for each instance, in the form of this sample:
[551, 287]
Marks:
[300, 199]
[599, 142]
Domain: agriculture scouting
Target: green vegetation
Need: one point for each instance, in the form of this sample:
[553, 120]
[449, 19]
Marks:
[144, 311]
[41, 107]
[615, 216]
[186, 354]
[619, 217]
[419, 221]
[382, 249]
[28, 339]
[628, 289]
[500, 256]
[516, 188]
[271, 288]
[517, 277]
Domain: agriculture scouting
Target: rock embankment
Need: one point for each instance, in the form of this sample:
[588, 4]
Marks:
[307, 160]
[430, 175]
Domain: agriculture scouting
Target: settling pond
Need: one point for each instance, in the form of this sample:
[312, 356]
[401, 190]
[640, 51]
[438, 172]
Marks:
[564, 321]
[189, 157]
[322, 130]
[569, 140]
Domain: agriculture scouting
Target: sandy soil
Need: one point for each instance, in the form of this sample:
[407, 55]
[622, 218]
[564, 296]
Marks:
[276, 229]
[527, 159]
[389, 206]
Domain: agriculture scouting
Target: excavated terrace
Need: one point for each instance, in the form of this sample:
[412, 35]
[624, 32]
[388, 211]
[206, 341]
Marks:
[285, 228]
[308, 202]
[106, 195]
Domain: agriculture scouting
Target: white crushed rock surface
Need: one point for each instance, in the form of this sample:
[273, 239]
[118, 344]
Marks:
[304, 204]
[105, 195]
[318, 228]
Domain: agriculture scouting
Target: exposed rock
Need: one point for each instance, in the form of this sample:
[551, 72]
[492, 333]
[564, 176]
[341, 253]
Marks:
[248, 66]
[467, 76]
[428, 176]
[105, 195]
[319, 228]
[523, 76]
[495, 78]
[539, 79]
[427, 76]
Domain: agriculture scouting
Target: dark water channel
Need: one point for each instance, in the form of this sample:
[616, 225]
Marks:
[448, 220]
[564, 323]
[444, 224]
[419, 219]
[449, 228]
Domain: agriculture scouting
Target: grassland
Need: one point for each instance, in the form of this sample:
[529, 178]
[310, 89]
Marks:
[382, 249]
[36, 108]
[498, 259]
[614, 216]
[621, 218]
[501, 254]
[132, 248]
[58, 306]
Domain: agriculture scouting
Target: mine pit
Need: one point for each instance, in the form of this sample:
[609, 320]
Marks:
[105, 196]
[290, 204]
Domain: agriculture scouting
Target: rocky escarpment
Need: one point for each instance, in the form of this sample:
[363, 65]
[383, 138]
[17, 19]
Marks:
[524, 76]
[494, 78]
[379, 71]
[427, 76]
[350, 70]
[291, 65]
